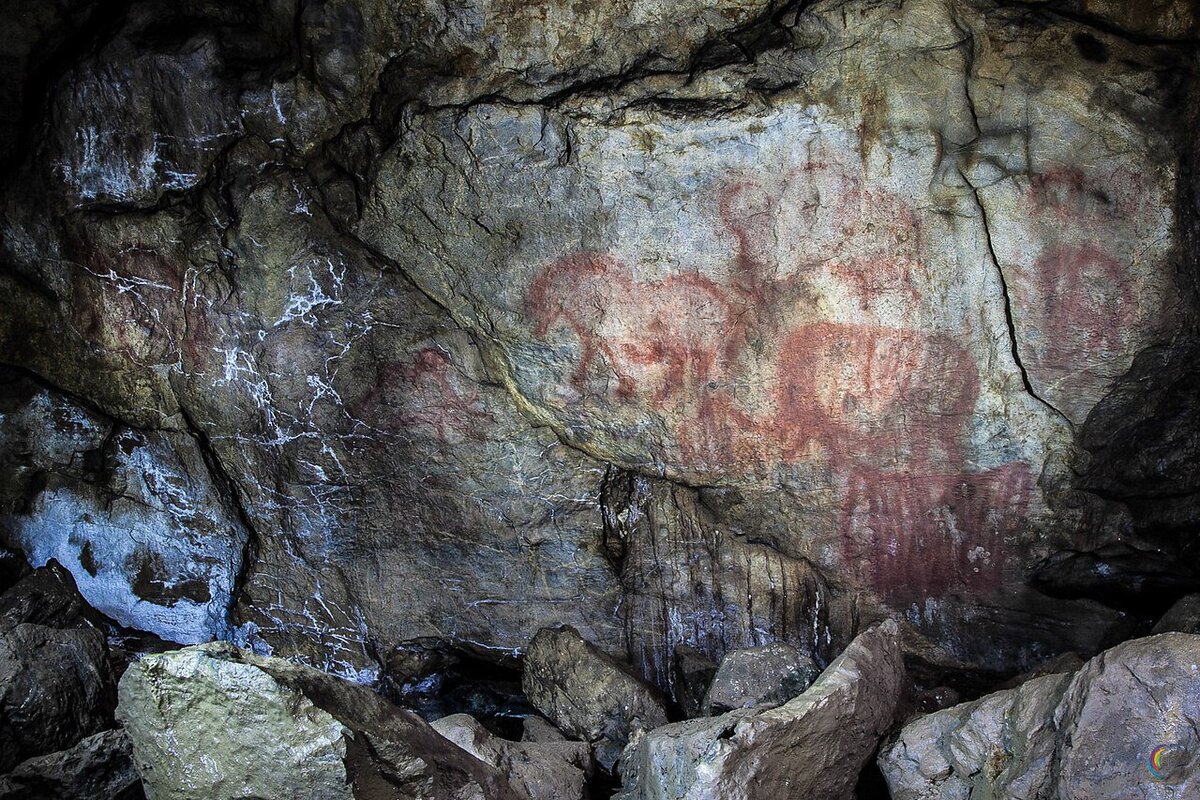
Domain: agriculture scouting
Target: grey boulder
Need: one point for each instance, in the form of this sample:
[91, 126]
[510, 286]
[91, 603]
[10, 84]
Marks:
[811, 747]
[213, 721]
[587, 693]
[760, 676]
[1183, 617]
[1123, 726]
[99, 766]
[56, 687]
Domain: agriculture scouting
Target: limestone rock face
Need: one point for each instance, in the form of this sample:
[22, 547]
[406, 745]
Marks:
[216, 722]
[759, 676]
[813, 746]
[587, 694]
[1123, 726]
[543, 770]
[347, 324]
[141, 519]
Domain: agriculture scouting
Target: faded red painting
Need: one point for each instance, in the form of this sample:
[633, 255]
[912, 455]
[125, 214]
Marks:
[1078, 308]
[885, 409]
[424, 393]
[139, 302]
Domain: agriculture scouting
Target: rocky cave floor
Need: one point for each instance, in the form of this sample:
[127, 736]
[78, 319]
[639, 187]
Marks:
[691, 400]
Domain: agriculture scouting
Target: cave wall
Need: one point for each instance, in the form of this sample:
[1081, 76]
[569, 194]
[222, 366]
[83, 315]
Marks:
[335, 327]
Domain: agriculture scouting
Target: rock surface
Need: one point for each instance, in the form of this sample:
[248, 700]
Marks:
[759, 676]
[217, 722]
[543, 770]
[1183, 617]
[588, 694]
[1065, 737]
[813, 746]
[56, 686]
[100, 767]
[344, 325]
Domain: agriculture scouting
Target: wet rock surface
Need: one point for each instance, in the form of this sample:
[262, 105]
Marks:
[1124, 725]
[55, 687]
[269, 728]
[587, 693]
[813, 746]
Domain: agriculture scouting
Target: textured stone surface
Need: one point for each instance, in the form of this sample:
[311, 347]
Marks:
[100, 766]
[769, 675]
[1183, 617]
[543, 770]
[214, 721]
[812, 746]
[1065, 737]
[141, 519]
[55, 687]
[701, 324]
[587, 694]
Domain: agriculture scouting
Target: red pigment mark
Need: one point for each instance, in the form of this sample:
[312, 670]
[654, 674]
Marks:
[424, 391]
[133, 300]
[921, 536]
[1085, 305]
[659, 338]
[1068, 194]
[865, 394]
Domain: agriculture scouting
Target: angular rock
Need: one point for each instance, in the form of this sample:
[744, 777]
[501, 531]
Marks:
[587, 693]
[1183, 617]
[1123, 726]
[46, 596]
[100, 767]
[56, 687]
[205, 720]
[693, 674]
[217, 722]
[813, 746]
[539, 731]
[1000, 746]
[1122, 707]
[769, 675]
[543, 770]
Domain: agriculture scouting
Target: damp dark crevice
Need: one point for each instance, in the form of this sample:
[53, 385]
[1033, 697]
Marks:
[231, 495]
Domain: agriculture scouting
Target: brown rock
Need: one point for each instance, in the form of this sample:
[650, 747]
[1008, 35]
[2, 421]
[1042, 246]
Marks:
[587, 693]
[543, 770]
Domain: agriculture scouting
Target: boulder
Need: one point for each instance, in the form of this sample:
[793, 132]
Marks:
[56, 687]
[1183, 617]
[760, 676]
[1000, 744]
[813, 746]
[1123, 726]
[99, 767]
[537, 730]
[216, 722]
[45, 596]
[587, 693]
[543, 770]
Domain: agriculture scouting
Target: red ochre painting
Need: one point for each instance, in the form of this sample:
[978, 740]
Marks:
[885, 408]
